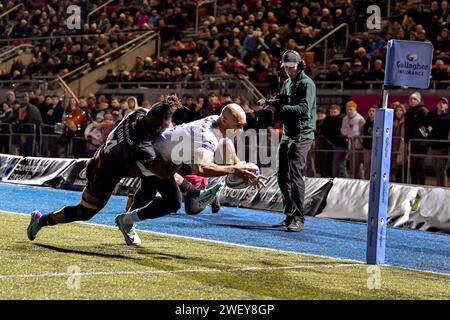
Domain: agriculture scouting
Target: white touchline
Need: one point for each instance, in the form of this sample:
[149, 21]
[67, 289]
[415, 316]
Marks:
[154, 272]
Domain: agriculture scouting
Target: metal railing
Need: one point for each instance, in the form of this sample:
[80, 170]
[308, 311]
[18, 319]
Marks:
[251, 87]
[325, 38]
[24, 85]
[6, 13]
[352, 154]
[98, 9]
[6, 55]
[46, 141]
[425, 147]
[211, 82]
[19, 138]
[202, 3]
[107, 56]
[341, 85]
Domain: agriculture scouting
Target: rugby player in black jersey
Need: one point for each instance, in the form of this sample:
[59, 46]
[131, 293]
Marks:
[130, 142]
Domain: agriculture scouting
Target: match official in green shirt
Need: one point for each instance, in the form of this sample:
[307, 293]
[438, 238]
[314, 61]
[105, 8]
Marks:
[297, 105]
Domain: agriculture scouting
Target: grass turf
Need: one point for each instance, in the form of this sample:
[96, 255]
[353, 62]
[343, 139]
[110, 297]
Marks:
[170, 267]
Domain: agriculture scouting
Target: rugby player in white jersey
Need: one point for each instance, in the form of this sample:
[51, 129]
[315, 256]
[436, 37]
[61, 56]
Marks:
[194, 142]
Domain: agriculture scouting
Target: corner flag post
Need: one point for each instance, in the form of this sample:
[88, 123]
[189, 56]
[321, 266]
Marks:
[379, 182]
[408, 63]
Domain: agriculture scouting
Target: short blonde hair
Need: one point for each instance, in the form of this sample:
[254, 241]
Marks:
[351, 104]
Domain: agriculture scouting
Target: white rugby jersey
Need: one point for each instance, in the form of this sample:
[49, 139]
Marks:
[181, 143]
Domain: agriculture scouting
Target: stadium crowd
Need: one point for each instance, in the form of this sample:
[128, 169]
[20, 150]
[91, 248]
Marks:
[246, 37]
[343, 136]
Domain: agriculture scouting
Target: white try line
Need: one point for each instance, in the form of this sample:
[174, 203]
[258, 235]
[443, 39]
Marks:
[157, 272]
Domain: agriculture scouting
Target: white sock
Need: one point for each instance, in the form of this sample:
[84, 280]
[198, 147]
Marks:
[131, 217]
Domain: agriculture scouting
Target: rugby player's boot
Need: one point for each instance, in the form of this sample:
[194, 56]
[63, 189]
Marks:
[34, 227]
[207, 195]
[128, 231]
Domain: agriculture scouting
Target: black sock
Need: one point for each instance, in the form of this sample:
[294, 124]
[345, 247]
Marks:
[189, 189]
[46, 220]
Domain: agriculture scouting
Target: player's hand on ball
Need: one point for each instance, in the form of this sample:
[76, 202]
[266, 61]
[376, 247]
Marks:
[250, 173]
[259, 182]
[246, 173]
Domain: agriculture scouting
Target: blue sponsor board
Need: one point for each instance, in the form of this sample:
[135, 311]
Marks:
[408, 63]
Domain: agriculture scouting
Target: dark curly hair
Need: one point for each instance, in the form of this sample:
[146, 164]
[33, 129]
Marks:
[166, 108]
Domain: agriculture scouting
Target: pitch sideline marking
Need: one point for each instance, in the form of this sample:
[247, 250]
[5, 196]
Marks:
[208, 240]
[153, 272]
[249, 246]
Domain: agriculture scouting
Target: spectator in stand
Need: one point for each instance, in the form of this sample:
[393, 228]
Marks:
[97, 132]
[361, 56]
[440, 73]
[29, 121]
[72, 105]
[357, 77]
[146, 104]
[10, 97]
[443, 42]
[352, 128]
[182, 115]
[415, 122]
[132, 104]
[367, 141]
[323, 160]
[333, 74]
[55, 112]
[346, 71]
[6, 120]
[7, 114]
[398, 158]
[377, 74]
[249, 114]
[214, 106]
[195, 110]
[110, 77]
[124, 110]
[331, 129]
[438, 128]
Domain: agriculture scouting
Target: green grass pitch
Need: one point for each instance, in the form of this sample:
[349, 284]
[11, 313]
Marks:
[171, 267]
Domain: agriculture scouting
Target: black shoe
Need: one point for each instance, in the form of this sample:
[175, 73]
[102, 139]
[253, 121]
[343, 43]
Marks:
[295, 226]
[283, 223]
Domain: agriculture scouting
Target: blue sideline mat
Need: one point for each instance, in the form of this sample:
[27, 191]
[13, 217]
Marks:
[338, 239]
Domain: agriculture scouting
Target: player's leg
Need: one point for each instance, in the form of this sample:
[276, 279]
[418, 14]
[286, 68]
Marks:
[82, 212]
[101, 183]
[169, 202]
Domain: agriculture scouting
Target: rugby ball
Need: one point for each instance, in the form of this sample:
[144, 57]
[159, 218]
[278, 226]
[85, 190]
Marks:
[235, 182]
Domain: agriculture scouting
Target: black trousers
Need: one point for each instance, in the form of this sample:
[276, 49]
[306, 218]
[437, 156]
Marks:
[292, 155]
[150, 205]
